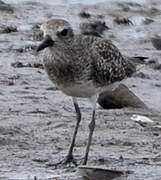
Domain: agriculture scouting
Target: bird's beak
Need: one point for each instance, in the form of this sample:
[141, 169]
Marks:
[45, 43]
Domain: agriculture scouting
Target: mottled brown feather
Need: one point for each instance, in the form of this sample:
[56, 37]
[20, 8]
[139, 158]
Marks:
[78, 59]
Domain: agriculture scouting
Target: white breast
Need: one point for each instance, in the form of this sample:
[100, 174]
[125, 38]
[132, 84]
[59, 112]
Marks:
[83, 90]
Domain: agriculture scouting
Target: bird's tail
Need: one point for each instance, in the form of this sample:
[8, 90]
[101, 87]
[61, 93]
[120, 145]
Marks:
[137, 61]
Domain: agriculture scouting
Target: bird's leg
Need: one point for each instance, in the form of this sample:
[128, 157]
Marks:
[69, 157]
[93, 100]
[91, 130]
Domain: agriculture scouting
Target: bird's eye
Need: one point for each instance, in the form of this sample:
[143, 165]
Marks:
[64, 32]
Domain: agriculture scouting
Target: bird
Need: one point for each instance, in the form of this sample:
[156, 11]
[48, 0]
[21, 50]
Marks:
[81, 67]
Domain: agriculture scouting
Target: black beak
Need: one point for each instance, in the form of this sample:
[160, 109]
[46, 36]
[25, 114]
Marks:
[46, 43]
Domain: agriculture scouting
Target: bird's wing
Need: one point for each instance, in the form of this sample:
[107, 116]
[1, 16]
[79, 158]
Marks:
[106, 50]
[109, 64]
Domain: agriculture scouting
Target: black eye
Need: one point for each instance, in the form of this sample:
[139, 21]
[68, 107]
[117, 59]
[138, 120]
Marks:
[64, 32]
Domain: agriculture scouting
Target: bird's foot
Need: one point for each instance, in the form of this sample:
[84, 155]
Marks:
[69, 159]
[65, 162]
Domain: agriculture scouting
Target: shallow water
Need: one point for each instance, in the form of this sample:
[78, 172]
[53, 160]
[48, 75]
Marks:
[75, 1]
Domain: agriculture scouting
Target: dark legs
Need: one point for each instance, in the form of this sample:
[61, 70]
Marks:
[93, 100]
[91, 130]
[69, 157]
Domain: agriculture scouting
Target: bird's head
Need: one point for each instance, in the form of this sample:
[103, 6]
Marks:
[55, 30]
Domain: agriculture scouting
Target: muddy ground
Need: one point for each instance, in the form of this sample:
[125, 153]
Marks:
[36, 119]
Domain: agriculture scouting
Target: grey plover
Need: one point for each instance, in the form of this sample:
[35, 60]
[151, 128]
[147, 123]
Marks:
[81, 66]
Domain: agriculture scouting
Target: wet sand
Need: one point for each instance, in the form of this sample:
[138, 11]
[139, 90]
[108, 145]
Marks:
[36, 119]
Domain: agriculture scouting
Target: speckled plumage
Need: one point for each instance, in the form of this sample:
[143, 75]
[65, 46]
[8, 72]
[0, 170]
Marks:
[79, 59]
[81, 66]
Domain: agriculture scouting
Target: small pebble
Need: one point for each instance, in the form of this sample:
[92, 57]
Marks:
[123, 20]
[84, 14]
